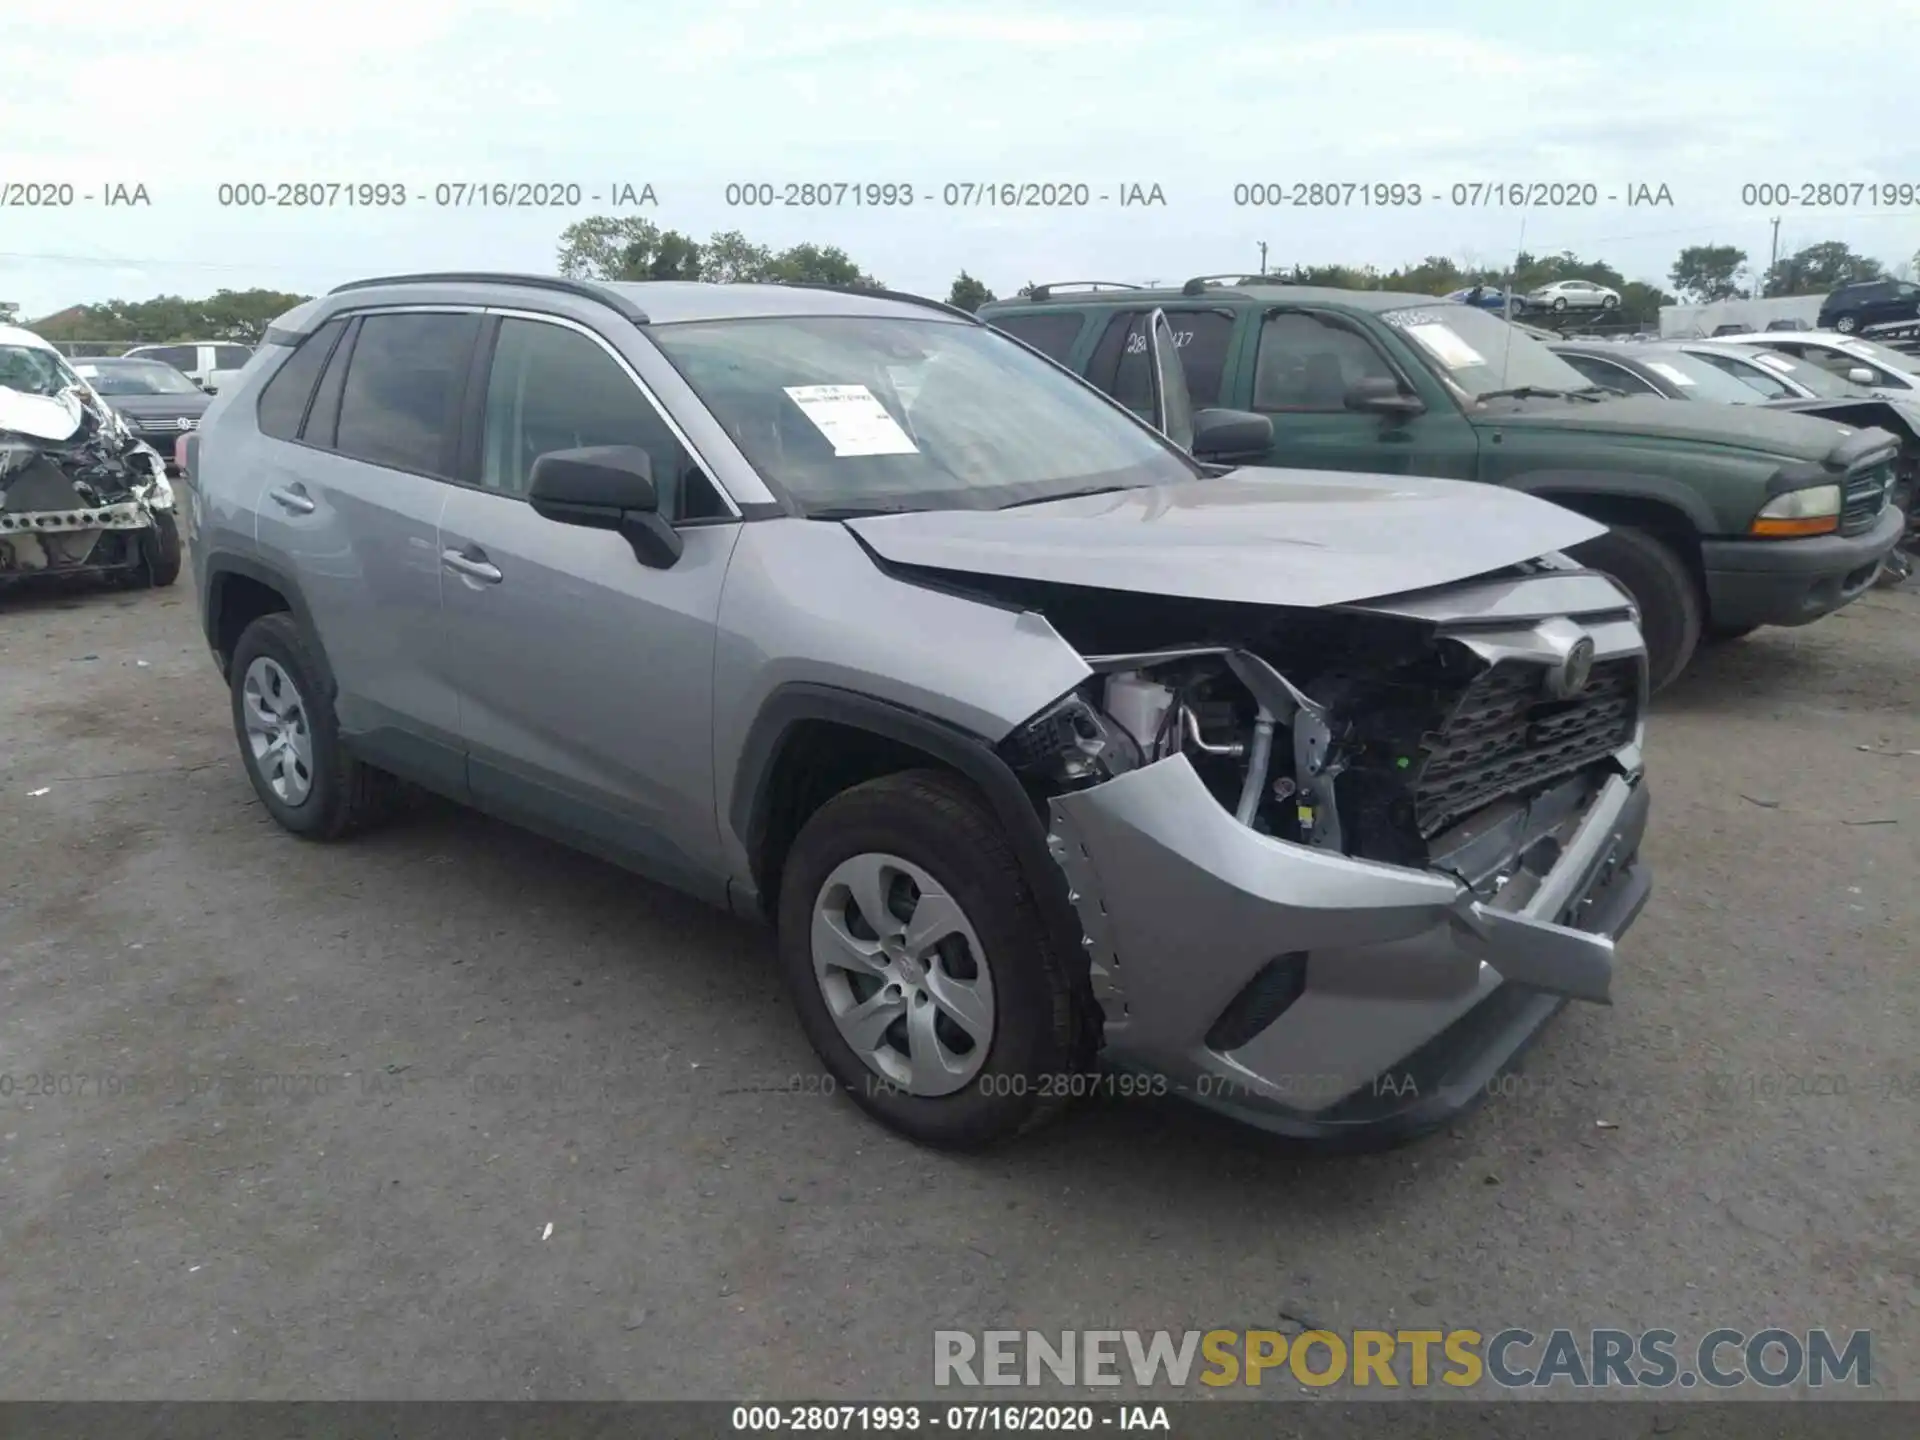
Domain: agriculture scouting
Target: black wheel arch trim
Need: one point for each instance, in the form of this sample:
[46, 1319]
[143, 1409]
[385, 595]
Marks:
[1615, 485]
[222, 564]
[969, 754]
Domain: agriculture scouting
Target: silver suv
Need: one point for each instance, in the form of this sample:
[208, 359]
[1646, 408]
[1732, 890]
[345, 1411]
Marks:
[1061, 760]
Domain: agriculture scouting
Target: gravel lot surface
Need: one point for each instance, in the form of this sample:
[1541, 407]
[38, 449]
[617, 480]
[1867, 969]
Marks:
[279, 1119]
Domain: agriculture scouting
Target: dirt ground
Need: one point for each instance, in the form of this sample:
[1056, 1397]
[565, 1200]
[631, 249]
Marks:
[279, 1119]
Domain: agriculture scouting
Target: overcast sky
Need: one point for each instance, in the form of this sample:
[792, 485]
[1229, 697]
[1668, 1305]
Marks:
[1702, 97]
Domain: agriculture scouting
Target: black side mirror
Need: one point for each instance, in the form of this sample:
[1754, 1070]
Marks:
[606, 487]
[1224, 435]
[1382, 395]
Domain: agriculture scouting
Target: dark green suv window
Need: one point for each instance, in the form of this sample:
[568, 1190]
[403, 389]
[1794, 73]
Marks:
[1119, 364]
[1310, 362]
[1052, 335]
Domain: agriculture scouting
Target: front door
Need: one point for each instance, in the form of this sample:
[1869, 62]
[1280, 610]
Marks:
[1305, 365]
[584, 675]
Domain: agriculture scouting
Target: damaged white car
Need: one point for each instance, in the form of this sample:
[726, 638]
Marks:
[79, 494]
[1064, 762]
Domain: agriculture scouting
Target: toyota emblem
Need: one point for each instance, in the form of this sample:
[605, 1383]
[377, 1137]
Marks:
[1571, 677]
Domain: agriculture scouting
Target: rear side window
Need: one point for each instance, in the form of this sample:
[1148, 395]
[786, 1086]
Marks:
[1053, 335]
[283, 403]
[183, 358]
[1120, 363]
[401, 403]
[231, 357]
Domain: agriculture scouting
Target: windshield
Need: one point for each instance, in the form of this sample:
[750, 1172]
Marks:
[136, 377]
[1879, 355]
[1481, 353]
[33, 371]
[1700, 379]
[1815, 378]
[880, 413]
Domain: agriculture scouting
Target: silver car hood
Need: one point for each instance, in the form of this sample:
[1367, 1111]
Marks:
[1256, 535]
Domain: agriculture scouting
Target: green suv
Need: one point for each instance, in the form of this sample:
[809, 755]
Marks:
[1722, 519]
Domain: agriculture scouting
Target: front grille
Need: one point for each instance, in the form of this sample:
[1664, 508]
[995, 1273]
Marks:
[1866, 497]
[1506, 735]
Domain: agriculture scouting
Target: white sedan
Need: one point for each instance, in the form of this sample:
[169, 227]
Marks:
[1573, 295]
[1887, 373]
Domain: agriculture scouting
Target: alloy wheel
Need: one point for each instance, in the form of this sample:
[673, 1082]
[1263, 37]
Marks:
[278, 734]
[903, 974]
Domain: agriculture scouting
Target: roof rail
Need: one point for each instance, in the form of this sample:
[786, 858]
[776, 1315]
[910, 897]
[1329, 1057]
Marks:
[1200, 284]
[585, 289]
[905, 297]
[1047, 291]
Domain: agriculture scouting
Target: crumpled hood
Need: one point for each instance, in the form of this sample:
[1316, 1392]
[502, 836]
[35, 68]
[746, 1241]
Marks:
[1751, 427]
[1258, 536]
[40, 417]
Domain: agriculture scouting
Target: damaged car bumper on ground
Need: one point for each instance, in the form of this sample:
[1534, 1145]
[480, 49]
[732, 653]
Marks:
[1311, 991]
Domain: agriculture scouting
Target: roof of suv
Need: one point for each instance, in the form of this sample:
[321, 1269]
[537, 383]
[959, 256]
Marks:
[1256, 293]
[663, 302]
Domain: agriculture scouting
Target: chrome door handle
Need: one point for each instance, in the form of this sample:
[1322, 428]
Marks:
[291, 500]
[470, 567]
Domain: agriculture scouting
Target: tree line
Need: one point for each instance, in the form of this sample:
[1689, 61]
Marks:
[608, 247]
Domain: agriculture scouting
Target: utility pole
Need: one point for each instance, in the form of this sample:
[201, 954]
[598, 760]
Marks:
[1263, 257]
[1773, 259]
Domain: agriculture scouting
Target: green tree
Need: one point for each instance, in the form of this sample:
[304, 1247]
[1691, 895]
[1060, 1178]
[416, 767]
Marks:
[1819, 268]
[1705, 273]
[598, 247]
[667, 255]
[1640, 303]
[809, 264]
[968, 293]
[237, 315]
[731, 259]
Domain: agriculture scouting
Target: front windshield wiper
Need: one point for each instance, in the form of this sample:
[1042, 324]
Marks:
[858, 512]
[1063, 495]
[1526, 392]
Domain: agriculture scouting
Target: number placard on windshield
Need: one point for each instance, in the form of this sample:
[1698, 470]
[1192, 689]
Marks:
[852, 418]
[1673, 373]
[1446, 346]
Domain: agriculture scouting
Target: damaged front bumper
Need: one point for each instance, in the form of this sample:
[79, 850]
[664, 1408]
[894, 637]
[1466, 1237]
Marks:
[77, 507]
[1314, 994]
[1328, 997]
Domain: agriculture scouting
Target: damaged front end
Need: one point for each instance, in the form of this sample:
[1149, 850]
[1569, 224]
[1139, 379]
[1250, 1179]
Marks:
[78, 493]
[1335, 867]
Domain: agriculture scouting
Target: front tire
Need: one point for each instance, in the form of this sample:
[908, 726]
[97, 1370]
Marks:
[160, 550]
[1672, 610]
[1610, 302]
[290, 741]
[921, 967]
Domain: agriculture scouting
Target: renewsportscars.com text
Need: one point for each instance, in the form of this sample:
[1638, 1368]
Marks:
[1514, 1358]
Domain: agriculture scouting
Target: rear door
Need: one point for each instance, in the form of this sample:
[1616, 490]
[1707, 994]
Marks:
[1203, 338]
[584, 676]
[1305, 362]
[354, 507]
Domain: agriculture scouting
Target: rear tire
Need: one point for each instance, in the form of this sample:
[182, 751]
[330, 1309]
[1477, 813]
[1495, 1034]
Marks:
[1672, 610]
[1846, 324]
[311, 786]
[1559, 304]
[934, 823]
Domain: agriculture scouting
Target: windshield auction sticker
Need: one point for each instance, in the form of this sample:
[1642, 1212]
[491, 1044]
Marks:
[853, 419]
[1447, 346]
